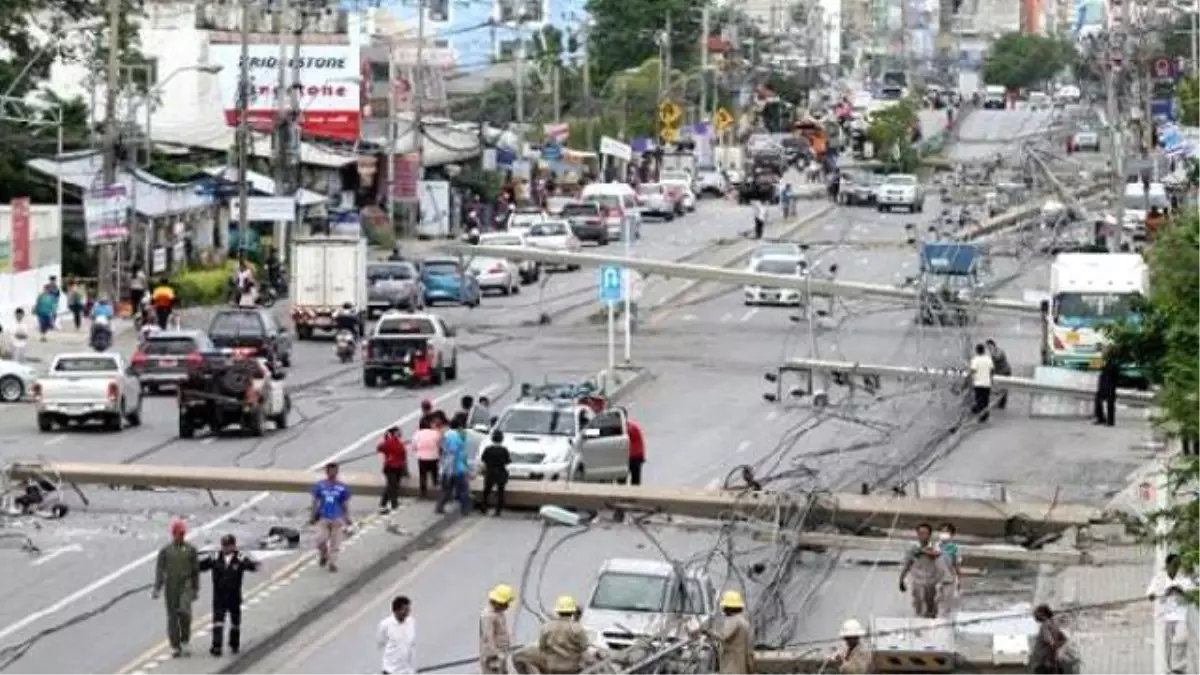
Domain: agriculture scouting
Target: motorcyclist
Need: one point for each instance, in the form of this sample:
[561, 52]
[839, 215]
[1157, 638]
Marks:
[274, 270]
[163, 300]
[100, 337]
[346, 319]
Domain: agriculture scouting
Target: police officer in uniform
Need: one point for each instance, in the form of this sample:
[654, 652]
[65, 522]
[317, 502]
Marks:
[228, 567]
[494, 639]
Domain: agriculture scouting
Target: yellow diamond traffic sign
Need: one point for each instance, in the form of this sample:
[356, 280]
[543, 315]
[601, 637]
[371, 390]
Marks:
[724, 119]
[669, 113]
[669, 134]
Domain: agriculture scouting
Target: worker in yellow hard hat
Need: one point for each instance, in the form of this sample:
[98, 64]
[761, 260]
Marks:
[494, 639]
[855, 658]
[735, 636]
[562, 643]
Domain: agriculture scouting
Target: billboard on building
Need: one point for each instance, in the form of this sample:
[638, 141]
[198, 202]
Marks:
[329, 78]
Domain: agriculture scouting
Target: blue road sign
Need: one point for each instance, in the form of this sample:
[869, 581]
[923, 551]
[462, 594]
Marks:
[611, 288]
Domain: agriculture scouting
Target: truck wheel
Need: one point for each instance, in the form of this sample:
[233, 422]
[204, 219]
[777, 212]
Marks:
[452, 371]
[281, 420]
[369, 379]
[11, 389]
[439, 375]
[135, 417]
[304, 332]
[115, 421]
[45, 423]
[186, 428]
[256, 422]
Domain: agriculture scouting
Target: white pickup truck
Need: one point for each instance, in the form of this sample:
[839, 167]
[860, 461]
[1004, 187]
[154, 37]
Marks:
[88, 387]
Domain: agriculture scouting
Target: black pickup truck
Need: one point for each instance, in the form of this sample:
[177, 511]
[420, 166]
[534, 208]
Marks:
[223, 390]
[762, 187]
[251, 332]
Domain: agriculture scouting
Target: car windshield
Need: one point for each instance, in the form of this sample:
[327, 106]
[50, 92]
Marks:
[674, 175]
[580, 210]
[777, 266]
[480, 264]
[393, 272]
[169, 346]
[539, 422]
[624, 592]
[527, 217]
[607, 201]
[236, 323]
[1079, 310]
[408, 325]
[891, 94]
[902, 180]
[86, 364]
[442, 269]
[551, 229]
[1139, 203]
[651, 189]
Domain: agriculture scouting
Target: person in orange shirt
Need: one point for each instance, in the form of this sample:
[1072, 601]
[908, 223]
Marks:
[163, 300]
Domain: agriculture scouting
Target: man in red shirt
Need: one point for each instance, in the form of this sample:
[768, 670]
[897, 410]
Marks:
[637, 451]
[395, 467]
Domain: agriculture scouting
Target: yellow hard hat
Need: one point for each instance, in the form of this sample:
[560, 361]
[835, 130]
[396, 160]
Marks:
[501, 594]
[732, 600]
[565, 604]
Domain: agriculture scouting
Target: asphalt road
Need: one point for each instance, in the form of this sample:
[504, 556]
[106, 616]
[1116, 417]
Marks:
[101, 550]
[709, 354]
[704, 416]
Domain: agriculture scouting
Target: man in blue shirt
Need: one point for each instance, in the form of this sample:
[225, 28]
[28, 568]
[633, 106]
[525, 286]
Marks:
[331, 515]
[454, 468]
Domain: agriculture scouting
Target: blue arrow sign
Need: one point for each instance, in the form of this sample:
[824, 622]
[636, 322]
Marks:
[611, 288]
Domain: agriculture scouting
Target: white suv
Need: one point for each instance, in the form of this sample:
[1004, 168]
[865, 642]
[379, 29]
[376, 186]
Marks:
[636, 598]
[901, 190]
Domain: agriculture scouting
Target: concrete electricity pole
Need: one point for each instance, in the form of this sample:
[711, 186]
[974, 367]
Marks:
[243, 122]
[1114, 58]
[418, 123]
[587, 86]
[106, 254]
[704, 28]
[521, 72]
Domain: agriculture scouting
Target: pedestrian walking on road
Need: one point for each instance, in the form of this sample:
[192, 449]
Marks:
[950, 583]
[1169, 590]
[637, 451]
[77, 302]
[464, 413]
[981, 382]
[177, 580]
[20, 336]
[760, 219]
[228, 568]
[453, 469]
[1000, 366]
[395, 468]
[494, 639]
[427, 443]
[45, 309]
[496, 459]
[427, 412]
[331, 515]
[923, 569]
[397, 639]
[1104, 407]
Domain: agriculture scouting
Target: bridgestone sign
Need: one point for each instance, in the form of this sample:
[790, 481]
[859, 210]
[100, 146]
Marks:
[328, 75]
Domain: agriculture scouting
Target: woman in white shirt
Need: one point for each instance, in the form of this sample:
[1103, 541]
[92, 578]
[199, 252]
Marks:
[397, 639]
[982, 368]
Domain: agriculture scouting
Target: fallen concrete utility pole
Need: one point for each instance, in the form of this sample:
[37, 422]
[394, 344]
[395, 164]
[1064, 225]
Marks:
[807, 661]
[848, 511]
[670, 270]
[1030, 214]
[1126, 396]
[973, 555]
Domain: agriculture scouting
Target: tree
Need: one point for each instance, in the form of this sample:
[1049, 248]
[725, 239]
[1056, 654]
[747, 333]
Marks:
[19, 140]
[1164, 342]
[624, 34]
[1189, 101]
[891, 132]
[1020, 60]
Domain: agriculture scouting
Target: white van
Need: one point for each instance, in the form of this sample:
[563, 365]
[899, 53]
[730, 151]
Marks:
[621, 208]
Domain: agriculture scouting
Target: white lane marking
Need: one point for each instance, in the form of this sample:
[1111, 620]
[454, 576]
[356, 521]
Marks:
[47, 557]
[56, 440]
[743, 446]
[385, 393]
[772, 415]
[727, 318]
[750, 314]
[208, 441]
[245, 506]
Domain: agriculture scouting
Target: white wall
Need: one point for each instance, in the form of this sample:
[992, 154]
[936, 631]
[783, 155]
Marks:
[20, 289]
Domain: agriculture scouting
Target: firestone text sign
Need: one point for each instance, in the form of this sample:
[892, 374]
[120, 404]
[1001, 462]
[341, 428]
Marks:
[329, 79]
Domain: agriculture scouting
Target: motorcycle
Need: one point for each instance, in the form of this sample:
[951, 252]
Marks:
[101, 337]
[344, 346]
[267, 296]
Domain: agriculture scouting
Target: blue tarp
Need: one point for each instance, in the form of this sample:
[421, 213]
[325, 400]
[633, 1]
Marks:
[949, 259]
